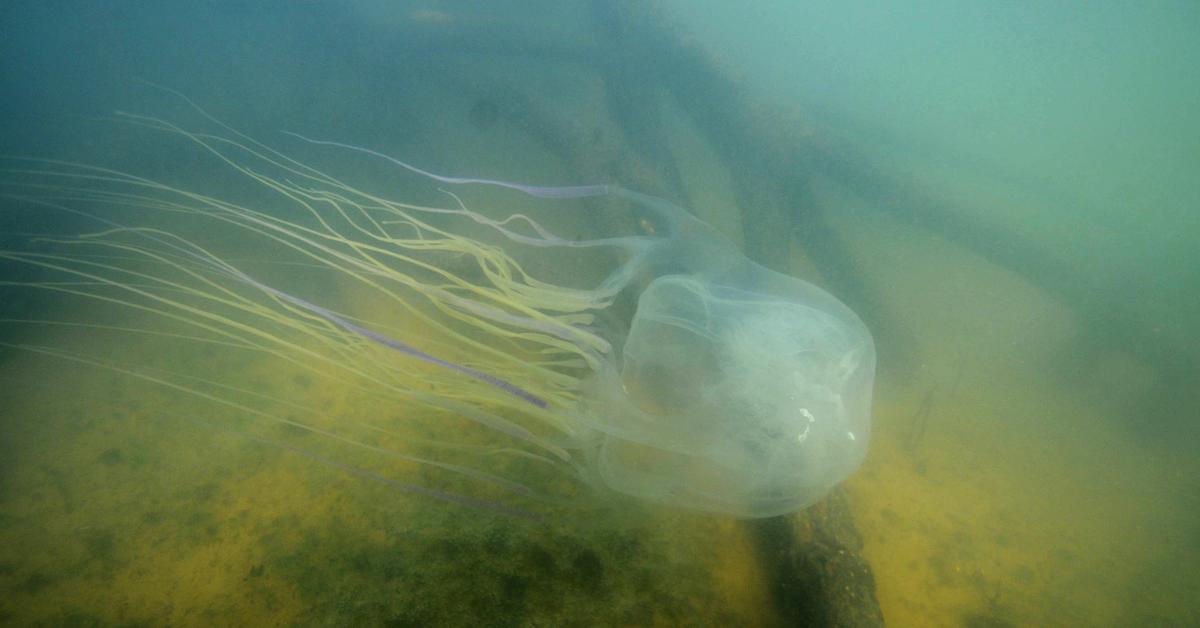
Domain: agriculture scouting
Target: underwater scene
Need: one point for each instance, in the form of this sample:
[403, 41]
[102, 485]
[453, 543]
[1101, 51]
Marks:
[599, 313]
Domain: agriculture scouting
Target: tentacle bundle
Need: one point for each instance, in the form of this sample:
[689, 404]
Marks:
[680, 372]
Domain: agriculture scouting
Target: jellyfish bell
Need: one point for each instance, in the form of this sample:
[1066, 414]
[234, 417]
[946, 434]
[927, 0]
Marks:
[737, 390]
[676, 370]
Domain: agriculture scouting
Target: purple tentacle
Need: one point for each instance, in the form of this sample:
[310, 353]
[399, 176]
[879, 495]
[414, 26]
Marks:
[223, 267]
[392, 343]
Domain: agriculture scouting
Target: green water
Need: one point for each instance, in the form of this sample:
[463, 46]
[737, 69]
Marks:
[1004, 194]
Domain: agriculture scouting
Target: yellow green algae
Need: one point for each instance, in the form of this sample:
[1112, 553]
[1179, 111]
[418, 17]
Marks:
[1015, 500]
[121, 508]
[127, 503]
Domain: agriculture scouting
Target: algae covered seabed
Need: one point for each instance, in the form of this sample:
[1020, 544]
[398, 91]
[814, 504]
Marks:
[119, 510]
[999, 491]
[990, 497]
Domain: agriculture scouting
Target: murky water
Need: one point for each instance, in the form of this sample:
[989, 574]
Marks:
[1032, 458]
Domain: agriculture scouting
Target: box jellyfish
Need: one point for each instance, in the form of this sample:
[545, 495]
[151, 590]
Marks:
[660, 363]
